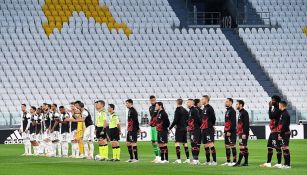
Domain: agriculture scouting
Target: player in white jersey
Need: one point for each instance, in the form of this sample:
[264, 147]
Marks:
[65, 127]
[73, 114]
[46, 125]
[55, 132]
[25, 123]
[89, 133]
[32, 129]
[39, 131]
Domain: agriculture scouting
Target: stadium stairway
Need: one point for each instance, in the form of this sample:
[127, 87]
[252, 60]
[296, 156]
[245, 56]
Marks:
[252, 16]
[251, 63]
[179, 7]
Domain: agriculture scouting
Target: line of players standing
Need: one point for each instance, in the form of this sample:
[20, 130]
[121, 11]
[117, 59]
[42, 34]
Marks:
[49, 132]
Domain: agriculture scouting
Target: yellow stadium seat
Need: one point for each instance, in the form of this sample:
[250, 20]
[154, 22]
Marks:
[59, 25]
[62, 2]
[61, 13]
[71, 7]
[78, 8]
[47, 13]
[68, 2]
[51, 7]
[68, 13]
[54, 13]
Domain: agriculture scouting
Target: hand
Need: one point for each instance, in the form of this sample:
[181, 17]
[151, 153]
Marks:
[228, 134]
[244, 136]
[279, 137]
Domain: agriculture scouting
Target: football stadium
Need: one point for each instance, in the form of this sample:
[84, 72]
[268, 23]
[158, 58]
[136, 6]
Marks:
[153, 87]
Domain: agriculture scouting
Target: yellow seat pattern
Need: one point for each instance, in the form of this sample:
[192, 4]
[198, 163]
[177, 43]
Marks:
[59, 11]
[305, 30]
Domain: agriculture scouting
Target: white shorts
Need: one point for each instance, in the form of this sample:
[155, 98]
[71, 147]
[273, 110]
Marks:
[55, 135]
[65, 137]
[46, 135]
[39, 137]
[33, 137]
[25, 136]
[73, 135]
[89, 133]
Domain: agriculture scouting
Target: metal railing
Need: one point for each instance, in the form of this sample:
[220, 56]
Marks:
[261, 19]
[204, 19]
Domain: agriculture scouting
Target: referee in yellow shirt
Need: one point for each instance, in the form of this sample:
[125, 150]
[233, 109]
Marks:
[101, 131]
[114, 132]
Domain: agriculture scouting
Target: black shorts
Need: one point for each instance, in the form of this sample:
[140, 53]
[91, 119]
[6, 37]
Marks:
[114, 134]
[101, 133]
[285, 140]
[207, 135]
[195, 136]
[181, 136]
[243, 142]
[231, 140]
[273, 141]
[162, 137]
[132, 136]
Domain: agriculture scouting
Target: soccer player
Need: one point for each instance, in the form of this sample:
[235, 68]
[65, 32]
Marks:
[194, 130]
[46, 128]
[198, 105]
[32, 129]
[243, 132]
[54, 129]
[101, 131]
[25, 123]
[114, 132]
[162, 128]
[180, 123]
[207, 130]
[75, 114]
[65, 135]
[284, 135]
[273, 142]
[89, 132]
[39, 130]
[153, 130]
[133, 130]
[230, 134]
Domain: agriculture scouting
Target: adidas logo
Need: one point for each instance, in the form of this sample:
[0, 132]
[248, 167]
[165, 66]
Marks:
[14, 138]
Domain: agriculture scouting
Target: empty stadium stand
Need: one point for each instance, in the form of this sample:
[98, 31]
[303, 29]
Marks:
[282, 52]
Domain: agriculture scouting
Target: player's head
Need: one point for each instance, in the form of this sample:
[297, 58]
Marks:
[54, 107]
[152, 100]
[129, 103]
[240, 104]
[72, 106]
[77, 113]
[99, 104]
[39, 110]
[283, 105]
[159, 106]
[197, 102]
[228, 102]
[179, 102]
[48, 108]
[275, 99]
[79, 105]
[62, 109]
[205, 100]
[190, 103]
[111, 108]
[23, 107]
[32, 109]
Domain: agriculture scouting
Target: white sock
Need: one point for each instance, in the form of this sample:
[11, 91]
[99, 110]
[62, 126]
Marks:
[77, 149]
[73, 150]
[65, 148]
[85, 148]
[59, 149]
[29, 150]
[54, 145]
[49, 148]
[41, 147]
[91, 149]
[25, 146]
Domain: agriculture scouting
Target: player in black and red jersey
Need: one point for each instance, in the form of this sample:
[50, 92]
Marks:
[153, 130]
[243, 132]
[230, 134]
[194, 130]
[180, 123]
[284, 133]
[162, 128]
[273, 142]
[133, 130]
[207, 130]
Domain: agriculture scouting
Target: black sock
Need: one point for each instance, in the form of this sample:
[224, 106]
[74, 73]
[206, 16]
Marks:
[178, 152]
[162, 152]
[278, 154]
[135, 151]
[187, 153]
[287, 157]
[234, 154]
[213, 152]
[228, 154]
[166, 153]
[270, 154]
[130, 152]
[207, 151]
[241, 154]
[197, 151]
[246, 156]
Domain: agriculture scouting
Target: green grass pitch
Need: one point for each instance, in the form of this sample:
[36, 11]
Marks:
[11, 163]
